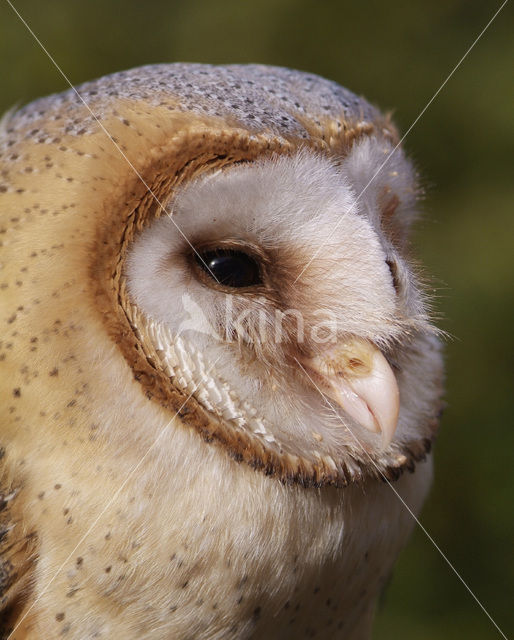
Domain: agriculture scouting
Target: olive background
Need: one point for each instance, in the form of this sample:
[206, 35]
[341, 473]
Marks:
[397, 54]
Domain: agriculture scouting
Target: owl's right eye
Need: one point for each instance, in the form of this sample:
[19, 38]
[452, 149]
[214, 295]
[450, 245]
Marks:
[230, 267]
[394, 274]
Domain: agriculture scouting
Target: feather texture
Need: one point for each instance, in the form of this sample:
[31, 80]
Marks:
[167, 471]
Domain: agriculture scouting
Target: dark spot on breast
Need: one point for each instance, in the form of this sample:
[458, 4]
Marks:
[16, 392]
[59, 617]
[241, 582]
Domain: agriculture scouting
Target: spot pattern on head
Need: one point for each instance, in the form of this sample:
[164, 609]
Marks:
[256, 96]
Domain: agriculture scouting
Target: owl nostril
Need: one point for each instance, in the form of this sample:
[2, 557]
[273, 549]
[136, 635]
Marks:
[356, 364]
[230, 267]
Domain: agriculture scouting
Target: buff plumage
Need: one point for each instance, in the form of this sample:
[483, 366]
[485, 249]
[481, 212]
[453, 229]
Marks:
[131, 509]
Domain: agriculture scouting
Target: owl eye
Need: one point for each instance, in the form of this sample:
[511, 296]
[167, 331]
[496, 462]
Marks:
[394, 274]
[230, 267]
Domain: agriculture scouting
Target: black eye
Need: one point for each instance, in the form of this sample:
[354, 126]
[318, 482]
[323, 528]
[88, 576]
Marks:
[394, 274]
[230, 267]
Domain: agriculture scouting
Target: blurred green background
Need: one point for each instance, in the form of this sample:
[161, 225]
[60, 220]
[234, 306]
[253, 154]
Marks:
[397, 54]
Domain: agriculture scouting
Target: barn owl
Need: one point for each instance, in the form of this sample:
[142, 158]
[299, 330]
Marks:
[220, 377]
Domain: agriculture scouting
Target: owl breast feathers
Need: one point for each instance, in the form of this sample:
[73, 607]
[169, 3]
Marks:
[217, 356]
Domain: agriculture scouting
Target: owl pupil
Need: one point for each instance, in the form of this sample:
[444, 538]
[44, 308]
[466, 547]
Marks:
[230, 267]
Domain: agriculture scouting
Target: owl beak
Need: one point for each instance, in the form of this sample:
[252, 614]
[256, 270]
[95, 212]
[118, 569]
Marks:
[357, 376]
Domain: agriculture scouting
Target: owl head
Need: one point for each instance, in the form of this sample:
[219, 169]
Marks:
[245, 247]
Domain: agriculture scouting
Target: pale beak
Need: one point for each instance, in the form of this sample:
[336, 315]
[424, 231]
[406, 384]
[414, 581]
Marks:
[357, 376]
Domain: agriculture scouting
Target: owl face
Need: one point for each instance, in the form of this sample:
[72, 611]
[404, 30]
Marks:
[278, 293]
[274, 307]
